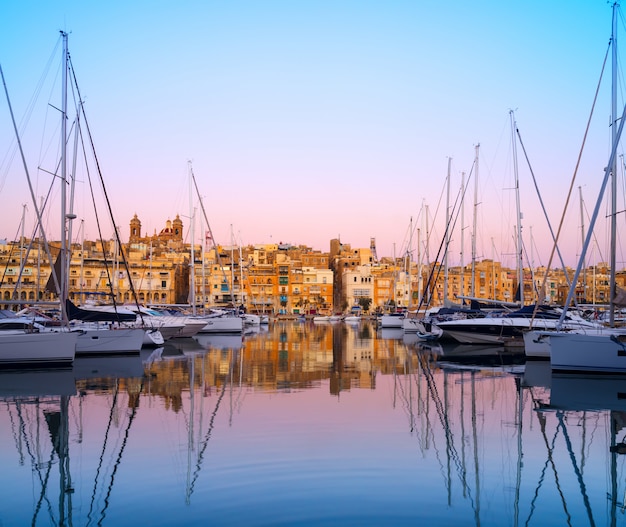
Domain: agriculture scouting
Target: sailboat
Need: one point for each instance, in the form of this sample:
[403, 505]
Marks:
[217, 320]
[33, 346]
[92, 337]
[602, 350]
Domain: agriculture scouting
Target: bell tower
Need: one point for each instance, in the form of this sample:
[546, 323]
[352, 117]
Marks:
[135, 229]
[177, 228]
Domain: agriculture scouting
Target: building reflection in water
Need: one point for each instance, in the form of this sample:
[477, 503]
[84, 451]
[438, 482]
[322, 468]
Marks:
[475, 441]
[287, 356]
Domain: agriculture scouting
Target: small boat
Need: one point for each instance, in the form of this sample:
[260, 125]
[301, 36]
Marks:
[220, 321]
[251, 320]
[435, 334]
[392, 320]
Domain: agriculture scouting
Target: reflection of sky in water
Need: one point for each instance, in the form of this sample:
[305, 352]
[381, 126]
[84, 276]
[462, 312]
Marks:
[324, 426]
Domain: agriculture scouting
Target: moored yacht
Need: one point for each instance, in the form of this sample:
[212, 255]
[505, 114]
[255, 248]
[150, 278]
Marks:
[220, 321]
[501, 328]
[33, 345]
[100, 330]
[392, 320]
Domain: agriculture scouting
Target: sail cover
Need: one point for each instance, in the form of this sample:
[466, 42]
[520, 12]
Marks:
[95, 315]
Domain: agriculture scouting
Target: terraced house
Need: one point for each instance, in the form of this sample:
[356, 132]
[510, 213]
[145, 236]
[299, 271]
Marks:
[271, 278]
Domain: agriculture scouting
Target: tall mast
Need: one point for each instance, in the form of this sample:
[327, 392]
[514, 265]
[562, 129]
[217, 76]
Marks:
[445, 254]
[203, 267]
[419, 268]
[462, 262]
[427, 232]
[520, 268]
[582, 233]
[192, 259]
[232, 266]
[407, 266]
[150, 267]
[241, 284]
[19, 284]
[473, 283]
[63, 254]
[493, 269]
[70, 215]
[613, 167]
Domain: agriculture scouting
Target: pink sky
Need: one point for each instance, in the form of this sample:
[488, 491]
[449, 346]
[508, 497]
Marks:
[312, 121]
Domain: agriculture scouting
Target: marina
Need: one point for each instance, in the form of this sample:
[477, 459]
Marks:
[151, 374]
[301, 423]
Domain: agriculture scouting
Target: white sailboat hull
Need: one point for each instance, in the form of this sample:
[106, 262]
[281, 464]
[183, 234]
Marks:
[192, 327]
[413, 325]
[103, 341]
[153, 338]
[168, 331]
[594, 352]
[391, 321]
[498, 330]
[537, 344]
[223, 325]
[33, 349]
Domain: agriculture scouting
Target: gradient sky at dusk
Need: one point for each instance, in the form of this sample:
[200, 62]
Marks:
[307, 121]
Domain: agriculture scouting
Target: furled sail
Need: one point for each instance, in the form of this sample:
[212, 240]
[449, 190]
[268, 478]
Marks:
[95, 315]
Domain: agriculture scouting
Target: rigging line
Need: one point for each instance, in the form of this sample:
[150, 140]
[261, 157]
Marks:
[30, 245]
[543, 207]
[443, 417]
[535, 288]
[104, 446]
[580, 153]
[5, 164]
[6, 267]
[15, 434]
[37, 226]
[605, 179]
[29, 450]
[454, 214]
[121, 452]
[32, 193]
[42, 495]
[207, 437]
[595, 237]
[549, 461]
[208, 225]
[93, 200]
[108, 202]
[581, 482]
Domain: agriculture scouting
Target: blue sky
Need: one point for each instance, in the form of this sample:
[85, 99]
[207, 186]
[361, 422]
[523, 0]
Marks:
[307, 121]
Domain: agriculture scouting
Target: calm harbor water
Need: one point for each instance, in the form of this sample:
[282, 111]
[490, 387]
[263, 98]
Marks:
[302, 424]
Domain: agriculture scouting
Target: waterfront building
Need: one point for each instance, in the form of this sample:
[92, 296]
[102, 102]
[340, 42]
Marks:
[358, 285]
[271, 278]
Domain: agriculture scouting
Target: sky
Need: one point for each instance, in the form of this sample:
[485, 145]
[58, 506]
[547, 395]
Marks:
[304, 121]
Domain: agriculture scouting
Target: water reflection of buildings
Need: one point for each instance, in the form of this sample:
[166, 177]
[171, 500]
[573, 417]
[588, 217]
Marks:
[288, 356]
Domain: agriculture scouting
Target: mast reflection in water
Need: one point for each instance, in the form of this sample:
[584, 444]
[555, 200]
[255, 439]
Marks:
[311, 424]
